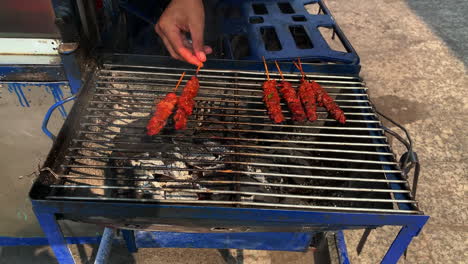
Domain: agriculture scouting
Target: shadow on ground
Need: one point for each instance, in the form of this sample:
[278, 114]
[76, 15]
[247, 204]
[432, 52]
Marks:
[44, 255]
[449, 20]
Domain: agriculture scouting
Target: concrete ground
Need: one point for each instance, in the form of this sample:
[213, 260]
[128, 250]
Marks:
[414, 56]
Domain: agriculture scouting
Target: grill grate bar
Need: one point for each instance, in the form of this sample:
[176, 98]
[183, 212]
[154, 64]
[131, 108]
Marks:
[203, 73]
[71, 177]
[141, 97]
[246, 116]
[240, 154]
[207, 84]
[200, 106]
[244, 139]
[325, 178]
[242, 146]
[150, 87]
[233, 203]
[263, 125]
[180, 189]
[258, 164]
[270, 132]
[151, 105]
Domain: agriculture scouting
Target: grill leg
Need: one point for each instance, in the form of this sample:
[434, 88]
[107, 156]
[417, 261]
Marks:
[129, 237]
[400, 243]
[105, 246]
[341, 248]
[55, 237]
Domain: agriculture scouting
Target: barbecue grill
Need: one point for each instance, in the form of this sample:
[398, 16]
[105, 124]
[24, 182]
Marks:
[232, 173]
[232, 170]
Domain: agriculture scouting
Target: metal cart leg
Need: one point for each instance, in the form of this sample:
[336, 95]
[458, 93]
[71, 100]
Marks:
[72, 69]
[105, 246]
[401, 242]
[341, 247]
[55, 237]
[129, 237]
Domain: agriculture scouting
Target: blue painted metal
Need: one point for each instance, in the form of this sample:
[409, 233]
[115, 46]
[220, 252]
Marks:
[224, 216]
[55, 237]
[401, 243]
[45, 122]
[252, 240]
[72, 71]
[57, 93]
[42, 241]
[341, 247]
[280, 22]
[105, 246]
[29, 73]
[17, 88]
[53, 88]
[129, 237]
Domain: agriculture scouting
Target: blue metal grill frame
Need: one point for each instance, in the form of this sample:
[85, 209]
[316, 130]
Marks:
[49, 212]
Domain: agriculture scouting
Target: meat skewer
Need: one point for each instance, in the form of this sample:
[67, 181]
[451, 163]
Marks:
[163, 110]
[290, 96]
[272, 98]
[186, 102]
[323, 99]
[307, 96]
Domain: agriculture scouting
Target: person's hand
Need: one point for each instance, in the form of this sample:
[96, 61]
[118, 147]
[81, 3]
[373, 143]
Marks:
[180, 17]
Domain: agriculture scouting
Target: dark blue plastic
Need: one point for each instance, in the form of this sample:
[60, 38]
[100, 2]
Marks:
[281, 22]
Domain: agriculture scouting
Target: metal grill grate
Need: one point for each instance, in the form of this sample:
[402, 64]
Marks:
[231, 154]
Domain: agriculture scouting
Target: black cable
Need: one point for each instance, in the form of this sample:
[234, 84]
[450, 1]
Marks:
[397, 136]
[410, 148]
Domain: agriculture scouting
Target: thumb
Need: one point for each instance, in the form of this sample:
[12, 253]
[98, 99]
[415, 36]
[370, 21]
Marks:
[196, 32]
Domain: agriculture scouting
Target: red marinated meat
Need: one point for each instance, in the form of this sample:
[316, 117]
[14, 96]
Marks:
[180, 120]
[290, 96]
[272, 101]
[163, 110]
[326, 101]
[307, 96]
[186, 103]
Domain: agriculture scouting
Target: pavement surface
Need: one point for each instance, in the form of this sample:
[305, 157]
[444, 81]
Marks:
[414, 58]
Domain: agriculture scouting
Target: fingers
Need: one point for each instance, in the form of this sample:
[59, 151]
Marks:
[175, 38]
[196, 32]
[167, 43]
[208, 49]
[172, 38]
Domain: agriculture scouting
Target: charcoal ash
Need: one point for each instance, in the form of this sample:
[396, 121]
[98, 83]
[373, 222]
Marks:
[176, 162]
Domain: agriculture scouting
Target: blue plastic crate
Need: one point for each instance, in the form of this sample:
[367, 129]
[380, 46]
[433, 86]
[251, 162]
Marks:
[282, 30]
